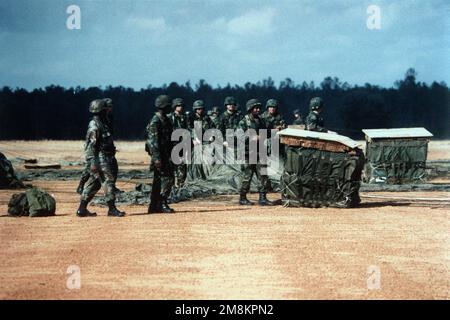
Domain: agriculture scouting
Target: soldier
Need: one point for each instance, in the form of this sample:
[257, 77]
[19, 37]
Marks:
[230, 118]
[197, 169]
[109, 122]
[179, 121]
[273, 120]
[100, 154]
[199, 115]
[297, 117]
[159, 147]
[314, 122]
[214, 117]
[272, 117]
[252, 120]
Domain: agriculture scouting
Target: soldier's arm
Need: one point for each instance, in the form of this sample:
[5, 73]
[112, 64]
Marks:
[242, 125]
[152, 140]
[92, 145]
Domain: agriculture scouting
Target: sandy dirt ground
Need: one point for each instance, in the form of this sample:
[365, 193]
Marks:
[215, 249]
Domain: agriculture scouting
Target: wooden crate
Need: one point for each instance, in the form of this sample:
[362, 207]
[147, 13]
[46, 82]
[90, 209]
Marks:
[331, 146]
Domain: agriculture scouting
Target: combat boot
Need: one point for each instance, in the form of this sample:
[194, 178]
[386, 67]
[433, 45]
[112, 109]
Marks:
[165, 207]
[83, 211]
[154, 207]
[356, 201]
[243, 201]
[263, 201]
[113, 211]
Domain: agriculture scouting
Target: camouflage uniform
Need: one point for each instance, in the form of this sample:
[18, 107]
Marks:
[100, 152]
[159, 147]
[298, 120]
[251, 122]
[314, 122]
[109, 122]
[206, 124]
[214, 117]
[100, 155]
[199, 170]
[273, 121]
[179, 121]
[229, 120]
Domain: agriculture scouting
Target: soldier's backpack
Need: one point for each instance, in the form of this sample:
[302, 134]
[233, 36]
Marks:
[8, 179]
[18, 205]
[34, 202]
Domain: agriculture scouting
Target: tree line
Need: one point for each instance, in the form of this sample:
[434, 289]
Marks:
[62, 113]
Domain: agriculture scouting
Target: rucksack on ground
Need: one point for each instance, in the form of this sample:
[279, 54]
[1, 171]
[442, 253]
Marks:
[34, 202]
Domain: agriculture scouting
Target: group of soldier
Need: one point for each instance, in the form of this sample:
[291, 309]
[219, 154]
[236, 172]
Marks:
[101, 164]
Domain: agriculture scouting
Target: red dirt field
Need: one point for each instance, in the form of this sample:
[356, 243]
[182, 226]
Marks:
[216, 249]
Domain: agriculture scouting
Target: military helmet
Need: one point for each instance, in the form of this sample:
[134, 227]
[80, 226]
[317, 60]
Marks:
[177, 102]
[229, 100]
[215, 109]
[108, 102]
[162, 101]
[271, 103]
[252, 103]
[198, 104]
[316, 103]
[97, 106]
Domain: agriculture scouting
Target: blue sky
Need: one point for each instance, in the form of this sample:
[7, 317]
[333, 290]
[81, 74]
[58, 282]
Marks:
[137, 43]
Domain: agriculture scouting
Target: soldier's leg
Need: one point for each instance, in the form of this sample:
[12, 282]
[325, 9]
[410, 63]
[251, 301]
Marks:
[263, 184]
[114, 168]
[167, 181]
[155, 205]
[183, 174]
[107, 173]
[247, 174]
[84, 177]
[90, 189]
[115, 172]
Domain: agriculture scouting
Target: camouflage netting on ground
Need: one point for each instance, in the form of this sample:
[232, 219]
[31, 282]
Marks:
[316, 178]
[222, 180]
[8, 179]
[225, 180]
[396, 161]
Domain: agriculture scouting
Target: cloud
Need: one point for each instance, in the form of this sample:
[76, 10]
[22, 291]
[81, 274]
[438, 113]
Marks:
[148, 24]
[253, 22]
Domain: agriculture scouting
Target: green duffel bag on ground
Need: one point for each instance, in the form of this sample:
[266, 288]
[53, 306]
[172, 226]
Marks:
[18, 205]
[40, 203]
[34, 203]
